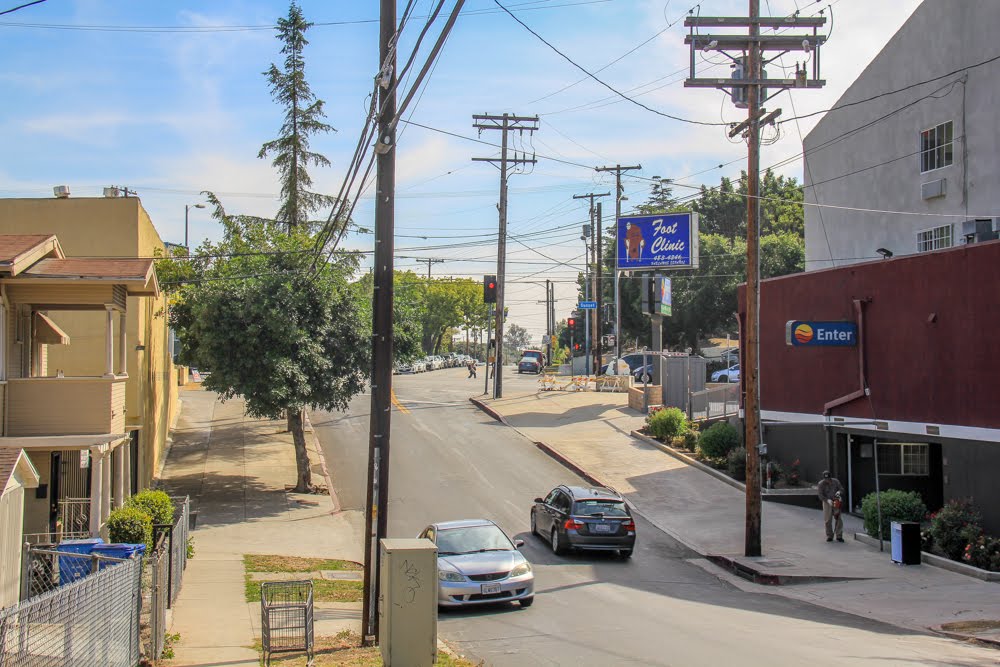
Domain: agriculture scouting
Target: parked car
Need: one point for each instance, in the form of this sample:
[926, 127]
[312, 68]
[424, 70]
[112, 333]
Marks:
[731, 356]
[536, 354]
[731, 374]
[644, 374]
[478, 563]
[529, 365]
[576, 517]
[633, 359]
[419, 366]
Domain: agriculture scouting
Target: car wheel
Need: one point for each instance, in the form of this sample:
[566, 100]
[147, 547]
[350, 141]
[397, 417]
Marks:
[723, 378]
[534, 527]
[625, 553]
[557, 547]
[526, 602]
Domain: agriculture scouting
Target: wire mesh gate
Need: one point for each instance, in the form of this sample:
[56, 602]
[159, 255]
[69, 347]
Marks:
[286, 618]
[91, 621]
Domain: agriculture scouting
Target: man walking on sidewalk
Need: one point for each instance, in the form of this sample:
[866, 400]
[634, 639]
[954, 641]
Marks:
[830, 493]
[472, 367]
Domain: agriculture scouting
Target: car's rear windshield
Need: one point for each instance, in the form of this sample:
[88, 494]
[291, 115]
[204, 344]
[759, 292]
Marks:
[598, 506]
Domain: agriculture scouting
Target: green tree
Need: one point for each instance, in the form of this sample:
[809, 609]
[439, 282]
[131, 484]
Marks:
[661, 199]
[270, 330]
[723, 209]
[515, 339]
[303, 119]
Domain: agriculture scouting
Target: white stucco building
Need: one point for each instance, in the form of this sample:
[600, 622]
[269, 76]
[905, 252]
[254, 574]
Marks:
[914, 141]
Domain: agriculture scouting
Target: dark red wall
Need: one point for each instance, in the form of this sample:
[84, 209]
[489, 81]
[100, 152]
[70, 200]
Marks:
[932, 331]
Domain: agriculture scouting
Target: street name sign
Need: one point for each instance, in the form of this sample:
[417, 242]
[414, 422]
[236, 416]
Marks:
[587, 305]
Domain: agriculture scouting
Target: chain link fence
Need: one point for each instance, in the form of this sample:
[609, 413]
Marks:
[90, 619]
[715, 402]
[155, 596]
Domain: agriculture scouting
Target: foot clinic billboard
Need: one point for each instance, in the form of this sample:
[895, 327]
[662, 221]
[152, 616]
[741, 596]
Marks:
[657, 241]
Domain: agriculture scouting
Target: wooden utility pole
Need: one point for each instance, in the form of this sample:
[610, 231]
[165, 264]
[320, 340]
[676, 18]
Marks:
[506, 124]
[618, 169]
[593, 328]
[748, 88]
[381, 406]
[429, 262]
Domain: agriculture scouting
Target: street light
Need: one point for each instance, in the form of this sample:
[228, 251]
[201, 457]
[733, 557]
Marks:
[186, 208]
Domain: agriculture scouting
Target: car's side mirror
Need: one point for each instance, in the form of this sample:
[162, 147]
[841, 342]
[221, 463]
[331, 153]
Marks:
[518, 543]
[539, 500]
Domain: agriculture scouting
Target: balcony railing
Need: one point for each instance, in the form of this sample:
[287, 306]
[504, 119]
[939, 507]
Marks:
[50, 406]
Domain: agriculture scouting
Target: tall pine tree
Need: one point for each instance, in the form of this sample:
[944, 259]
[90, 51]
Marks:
[303, 119]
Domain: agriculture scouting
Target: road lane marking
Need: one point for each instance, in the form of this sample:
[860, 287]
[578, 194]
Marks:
[395, 401]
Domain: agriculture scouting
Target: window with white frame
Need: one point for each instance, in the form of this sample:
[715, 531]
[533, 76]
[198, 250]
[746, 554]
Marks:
[936, 147]
[934, 239]
[904, 459]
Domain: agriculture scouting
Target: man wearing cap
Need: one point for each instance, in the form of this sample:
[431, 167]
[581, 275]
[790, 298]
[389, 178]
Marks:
[830, 492]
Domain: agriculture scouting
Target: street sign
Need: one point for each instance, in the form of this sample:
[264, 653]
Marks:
[666, 303]
[587, 305]
[654, 241]
[812, 334]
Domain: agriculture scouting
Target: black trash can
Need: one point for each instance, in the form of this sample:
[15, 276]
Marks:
[905, 542]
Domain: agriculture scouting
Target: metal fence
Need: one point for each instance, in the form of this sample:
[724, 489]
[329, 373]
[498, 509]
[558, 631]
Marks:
[714, 402]
[286, 618]
[155, 596]
[93, 620]
[178, 545]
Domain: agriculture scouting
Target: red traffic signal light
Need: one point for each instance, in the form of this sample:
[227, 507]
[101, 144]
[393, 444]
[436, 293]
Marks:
[576, 346]
[571, 322]
[489, 289]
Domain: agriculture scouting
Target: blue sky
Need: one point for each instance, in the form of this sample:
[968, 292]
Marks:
[169, 99]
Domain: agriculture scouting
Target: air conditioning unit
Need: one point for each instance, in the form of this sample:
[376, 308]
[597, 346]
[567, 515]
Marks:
[112, 192]
[934, 189]
[61, 191]
[981, 229]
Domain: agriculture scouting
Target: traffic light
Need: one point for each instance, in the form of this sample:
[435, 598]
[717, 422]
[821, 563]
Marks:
[489, 289]
[571, 323]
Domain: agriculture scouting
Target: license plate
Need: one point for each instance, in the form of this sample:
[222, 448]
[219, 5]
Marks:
[486, 589]
[601, 527]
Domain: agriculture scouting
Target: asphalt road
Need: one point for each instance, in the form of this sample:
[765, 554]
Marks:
[450, 461]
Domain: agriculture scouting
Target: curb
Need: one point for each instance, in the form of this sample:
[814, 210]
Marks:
[994, 643]
[311, 434]
[755, 576]
[488, 410]
[938, 561]
[570, 463]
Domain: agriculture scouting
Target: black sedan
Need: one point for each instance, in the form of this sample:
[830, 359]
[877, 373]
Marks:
[575, 517]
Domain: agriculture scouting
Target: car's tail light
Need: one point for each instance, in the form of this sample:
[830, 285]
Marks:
[629, 525]
[573, 524]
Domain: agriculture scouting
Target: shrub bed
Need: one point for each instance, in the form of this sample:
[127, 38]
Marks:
[132, 525]
[736, 464]
[718, 440]
[667, 423]
[954, 526]
[156, 504]
[896, 506]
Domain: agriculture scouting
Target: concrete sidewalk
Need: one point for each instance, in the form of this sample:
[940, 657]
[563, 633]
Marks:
[591, 432]
[235, 469]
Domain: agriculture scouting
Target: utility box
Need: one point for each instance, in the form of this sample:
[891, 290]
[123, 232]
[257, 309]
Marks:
[407, 606]
[905, 542]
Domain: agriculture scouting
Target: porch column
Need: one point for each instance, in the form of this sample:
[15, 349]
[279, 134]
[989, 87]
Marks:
[96, 481]
[122, 356]
[125, 449]
[109, 357]
[119, 459]
[106, 489]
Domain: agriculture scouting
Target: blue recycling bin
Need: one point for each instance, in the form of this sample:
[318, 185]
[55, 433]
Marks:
[905, 542]
[70, 567]
[118, 550]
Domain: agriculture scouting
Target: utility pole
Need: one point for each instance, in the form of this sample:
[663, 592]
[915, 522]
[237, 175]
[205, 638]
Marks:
[593, 328]
[506, 124]
[619, 196]
[381, 406]
[550, 325]
[429, 262]
[748, 88]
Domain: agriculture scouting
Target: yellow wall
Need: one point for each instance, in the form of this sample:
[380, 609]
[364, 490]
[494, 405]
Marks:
[106, 227]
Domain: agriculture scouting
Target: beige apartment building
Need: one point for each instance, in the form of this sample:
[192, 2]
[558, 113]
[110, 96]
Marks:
[109, 227]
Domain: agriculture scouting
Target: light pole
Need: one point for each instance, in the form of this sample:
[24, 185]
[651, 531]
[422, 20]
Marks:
[187, 207]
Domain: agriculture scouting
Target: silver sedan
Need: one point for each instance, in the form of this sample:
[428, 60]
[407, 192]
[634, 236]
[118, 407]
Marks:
[478, 563]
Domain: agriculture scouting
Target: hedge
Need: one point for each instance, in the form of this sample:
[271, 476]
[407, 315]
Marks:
[896, 506]
[156, 504]
[132, 525]
[718, 440]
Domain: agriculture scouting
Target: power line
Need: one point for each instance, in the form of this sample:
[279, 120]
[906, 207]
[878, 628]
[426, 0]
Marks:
[27, 4]
[606, 85]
